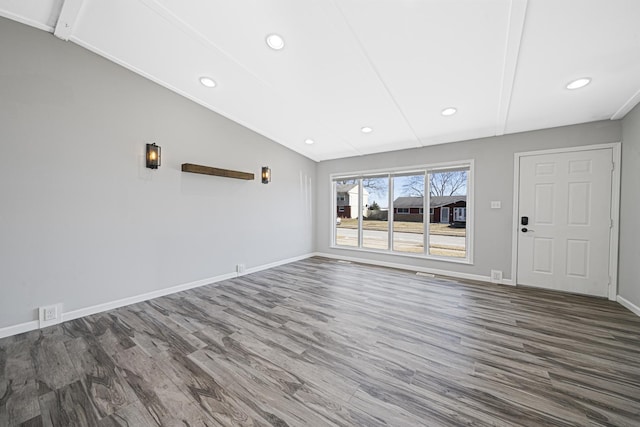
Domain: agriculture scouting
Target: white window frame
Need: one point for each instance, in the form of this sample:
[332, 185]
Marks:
[456, 213]
[403, 211]
[419, 169]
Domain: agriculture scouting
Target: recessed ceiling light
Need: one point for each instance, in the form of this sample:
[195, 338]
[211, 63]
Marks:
[309, 141]
[207, 81]
[449, 111]
[577, 84]
[275, 42]
[366, 129]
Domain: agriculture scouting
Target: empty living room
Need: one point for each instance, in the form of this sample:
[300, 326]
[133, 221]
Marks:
[319, 213]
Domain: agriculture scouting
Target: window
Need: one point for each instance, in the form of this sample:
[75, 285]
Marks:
[449, 230]
[375, 226]
[347, 232]
[385, 212]
[408, 230]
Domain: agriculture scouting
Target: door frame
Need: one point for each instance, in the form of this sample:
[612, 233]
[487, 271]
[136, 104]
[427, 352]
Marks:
[615, 208]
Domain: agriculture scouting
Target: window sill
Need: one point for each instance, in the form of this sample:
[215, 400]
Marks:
[465, 261]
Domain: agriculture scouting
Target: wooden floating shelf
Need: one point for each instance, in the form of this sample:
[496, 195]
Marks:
[226, 173]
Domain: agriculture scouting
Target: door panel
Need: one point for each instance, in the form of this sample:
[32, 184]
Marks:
[542, 255]
[567, 198]
[579, 203]
[543, 203]
[578, 258]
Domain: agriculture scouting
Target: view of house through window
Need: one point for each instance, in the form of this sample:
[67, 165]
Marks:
[448, 220]
[395, 220]
[347, 201]
[375, 225]
[408, 221]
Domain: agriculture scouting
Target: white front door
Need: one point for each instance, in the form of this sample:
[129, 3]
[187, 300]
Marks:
[444, 214]
[566, 199]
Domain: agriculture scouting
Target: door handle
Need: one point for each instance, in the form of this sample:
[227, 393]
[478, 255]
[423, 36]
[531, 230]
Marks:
[525, 230]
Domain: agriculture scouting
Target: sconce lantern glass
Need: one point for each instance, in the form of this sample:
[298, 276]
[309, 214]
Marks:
[153, 156]
[266, 175]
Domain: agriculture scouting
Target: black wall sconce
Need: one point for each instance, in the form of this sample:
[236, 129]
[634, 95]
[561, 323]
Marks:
[266, 175]
[153, 156]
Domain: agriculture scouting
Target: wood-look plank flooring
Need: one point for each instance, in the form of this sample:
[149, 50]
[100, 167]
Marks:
[320, 342]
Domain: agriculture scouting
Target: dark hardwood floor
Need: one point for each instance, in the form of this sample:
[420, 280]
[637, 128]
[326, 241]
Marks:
[320, 342]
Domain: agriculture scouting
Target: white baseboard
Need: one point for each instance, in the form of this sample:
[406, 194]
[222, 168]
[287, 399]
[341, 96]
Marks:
[99, 308]
[19, 328]
[435, 271]
[276, 264]
[628, 304]
[76, 314]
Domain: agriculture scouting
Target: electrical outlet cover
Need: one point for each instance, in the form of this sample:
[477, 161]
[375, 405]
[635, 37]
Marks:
[50, 315]
[496, 276]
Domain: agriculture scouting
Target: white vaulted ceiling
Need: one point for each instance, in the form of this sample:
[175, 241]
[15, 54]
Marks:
[392, 65]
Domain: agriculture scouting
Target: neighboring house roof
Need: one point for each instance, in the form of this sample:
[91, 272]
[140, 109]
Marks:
[435, 201]
[408, 202]
[346, 188]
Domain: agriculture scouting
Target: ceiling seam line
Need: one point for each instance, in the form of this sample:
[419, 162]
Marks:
[504, 100]
[377, 73]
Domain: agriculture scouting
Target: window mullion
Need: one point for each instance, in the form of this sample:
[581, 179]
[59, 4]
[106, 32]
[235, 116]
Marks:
[426, 203]
[390, 214]
[360, 216]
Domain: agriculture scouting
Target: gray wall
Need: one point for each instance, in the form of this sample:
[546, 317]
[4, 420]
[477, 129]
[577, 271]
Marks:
[494, 159]
[83, 222]
[629, 265]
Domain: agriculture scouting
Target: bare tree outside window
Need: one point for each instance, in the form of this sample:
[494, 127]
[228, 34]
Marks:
[450, 183]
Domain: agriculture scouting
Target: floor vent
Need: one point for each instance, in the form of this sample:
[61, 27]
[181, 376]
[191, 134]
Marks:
[420, 273]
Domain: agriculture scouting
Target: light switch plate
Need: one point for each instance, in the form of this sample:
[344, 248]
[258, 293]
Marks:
[496, 204]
